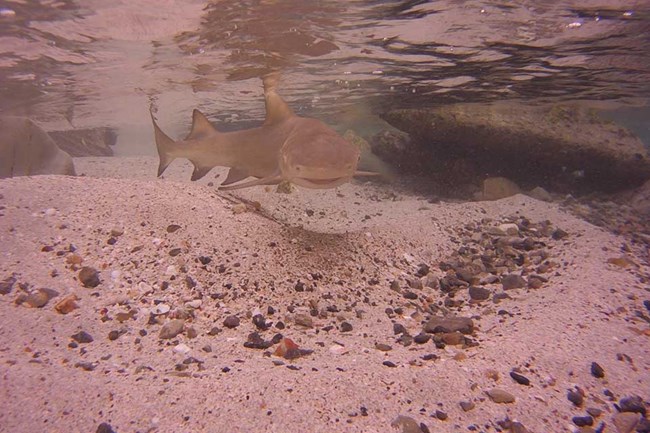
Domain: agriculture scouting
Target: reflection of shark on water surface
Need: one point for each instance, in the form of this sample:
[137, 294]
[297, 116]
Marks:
[286, 147]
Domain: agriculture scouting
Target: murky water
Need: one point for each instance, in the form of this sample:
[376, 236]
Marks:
[97, 63]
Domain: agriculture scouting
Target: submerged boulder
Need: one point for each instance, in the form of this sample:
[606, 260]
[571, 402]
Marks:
[560, 147]
[86, 142]
[26, 149]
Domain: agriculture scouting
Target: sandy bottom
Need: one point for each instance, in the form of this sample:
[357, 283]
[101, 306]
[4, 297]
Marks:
[335, 271]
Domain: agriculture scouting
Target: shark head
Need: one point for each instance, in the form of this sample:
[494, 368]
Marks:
[315, 156]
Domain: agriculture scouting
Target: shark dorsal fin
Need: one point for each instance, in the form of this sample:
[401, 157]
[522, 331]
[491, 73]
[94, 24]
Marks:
[276, 109]
[201, 126]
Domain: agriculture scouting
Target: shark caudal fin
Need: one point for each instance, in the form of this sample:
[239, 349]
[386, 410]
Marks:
[165, 146]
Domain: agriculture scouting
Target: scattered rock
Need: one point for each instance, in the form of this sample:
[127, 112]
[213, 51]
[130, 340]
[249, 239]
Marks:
[303, 320]
[479, 293]
[582, 421]
[82, 337]
[346, 327]
[500, 396]
[290, 350]
[467, 406]
[383, 347]
[105, 428]
[438, 324]
[171, 329]
[7, 285]
[626, 422]
[231, 322]
[576, 397]
[597, 370]
[520, 379]
[441, 415]
[255, 341]
[173, 228]
[422, 338]
[89, 277]
[67, 304]
[38, 298]
[632, 404]
[389, 364]
[513, 281]
[407, 424]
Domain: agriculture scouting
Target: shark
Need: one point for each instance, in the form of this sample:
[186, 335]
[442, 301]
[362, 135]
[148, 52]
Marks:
[286, 147]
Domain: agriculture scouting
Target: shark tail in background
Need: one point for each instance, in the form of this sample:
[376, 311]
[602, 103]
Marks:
[165, 147]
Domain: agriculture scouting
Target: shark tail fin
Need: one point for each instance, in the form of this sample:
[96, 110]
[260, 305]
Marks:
[165, 146]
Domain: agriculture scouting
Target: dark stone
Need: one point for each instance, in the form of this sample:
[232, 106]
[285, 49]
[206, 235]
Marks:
[205, 260]
[383, 347]
[82, 337]
[89, 277]
[423, 270]
[174, 252]
[255, 341]
[231, 322]
[467, 405]
[646, 303]
[575, 397]
[513, 281]
[559, 234]
[520, 379]
[172, 228]
[410, 295]
[597, 370]
[346, 327]
[260, 322]
[389, 364]
[441, 415]
[105, 428]
[114, 335]
[398, 328]
[405, 340]
[479, 293]
[7, 285]
[422, 338]
[439, 324]
[86, 366]
[632, 404]
[582, 421]
[86, 142]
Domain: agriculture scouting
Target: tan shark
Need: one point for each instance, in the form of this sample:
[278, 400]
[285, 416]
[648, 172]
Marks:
[301, 150]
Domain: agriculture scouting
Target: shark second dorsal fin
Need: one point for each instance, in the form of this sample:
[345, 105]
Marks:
[276, 109]
[201, 126]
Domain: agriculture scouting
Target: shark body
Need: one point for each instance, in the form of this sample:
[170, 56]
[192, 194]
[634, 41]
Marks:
[287, 147]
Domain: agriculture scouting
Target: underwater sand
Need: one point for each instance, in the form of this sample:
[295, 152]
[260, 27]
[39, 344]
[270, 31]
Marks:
[331, 253]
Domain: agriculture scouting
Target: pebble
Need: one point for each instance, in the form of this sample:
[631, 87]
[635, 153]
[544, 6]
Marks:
[171, 329]
[182, 348]
[231, 322]
[632, 404]
[441, 415]
[582, 421]
[500, 396]
[597, 370]
[260, 322]
[410, 295]
[38, 298]
[517, 427]
[305, 320]
[287, 349]
[389, 364]
[82, 337]
[104, 428]
[172, 228]
[160, 309]
[520, 379]
[255, 341]
[422, 338]
[67, 304]
[575, 397]
[114, 335]
[479, 293]
[407, 424]
[625, 422]
[89, 277]
[383, 347]
[7, 285]
[438, 324]
[398, 328]
[513, 281]
[346, 327]
[467, 405]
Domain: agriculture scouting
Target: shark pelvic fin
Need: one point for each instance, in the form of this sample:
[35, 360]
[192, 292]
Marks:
[201, 126]
[164, 144]
[200, 171]
[234, 175]
[273, 179]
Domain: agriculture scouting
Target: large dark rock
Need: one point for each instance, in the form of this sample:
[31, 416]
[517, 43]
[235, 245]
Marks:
[562, 148]
[86, 142]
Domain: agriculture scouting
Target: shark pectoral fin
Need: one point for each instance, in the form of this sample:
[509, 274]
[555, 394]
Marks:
[269, 180]
[200, 171]
[235, 175]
